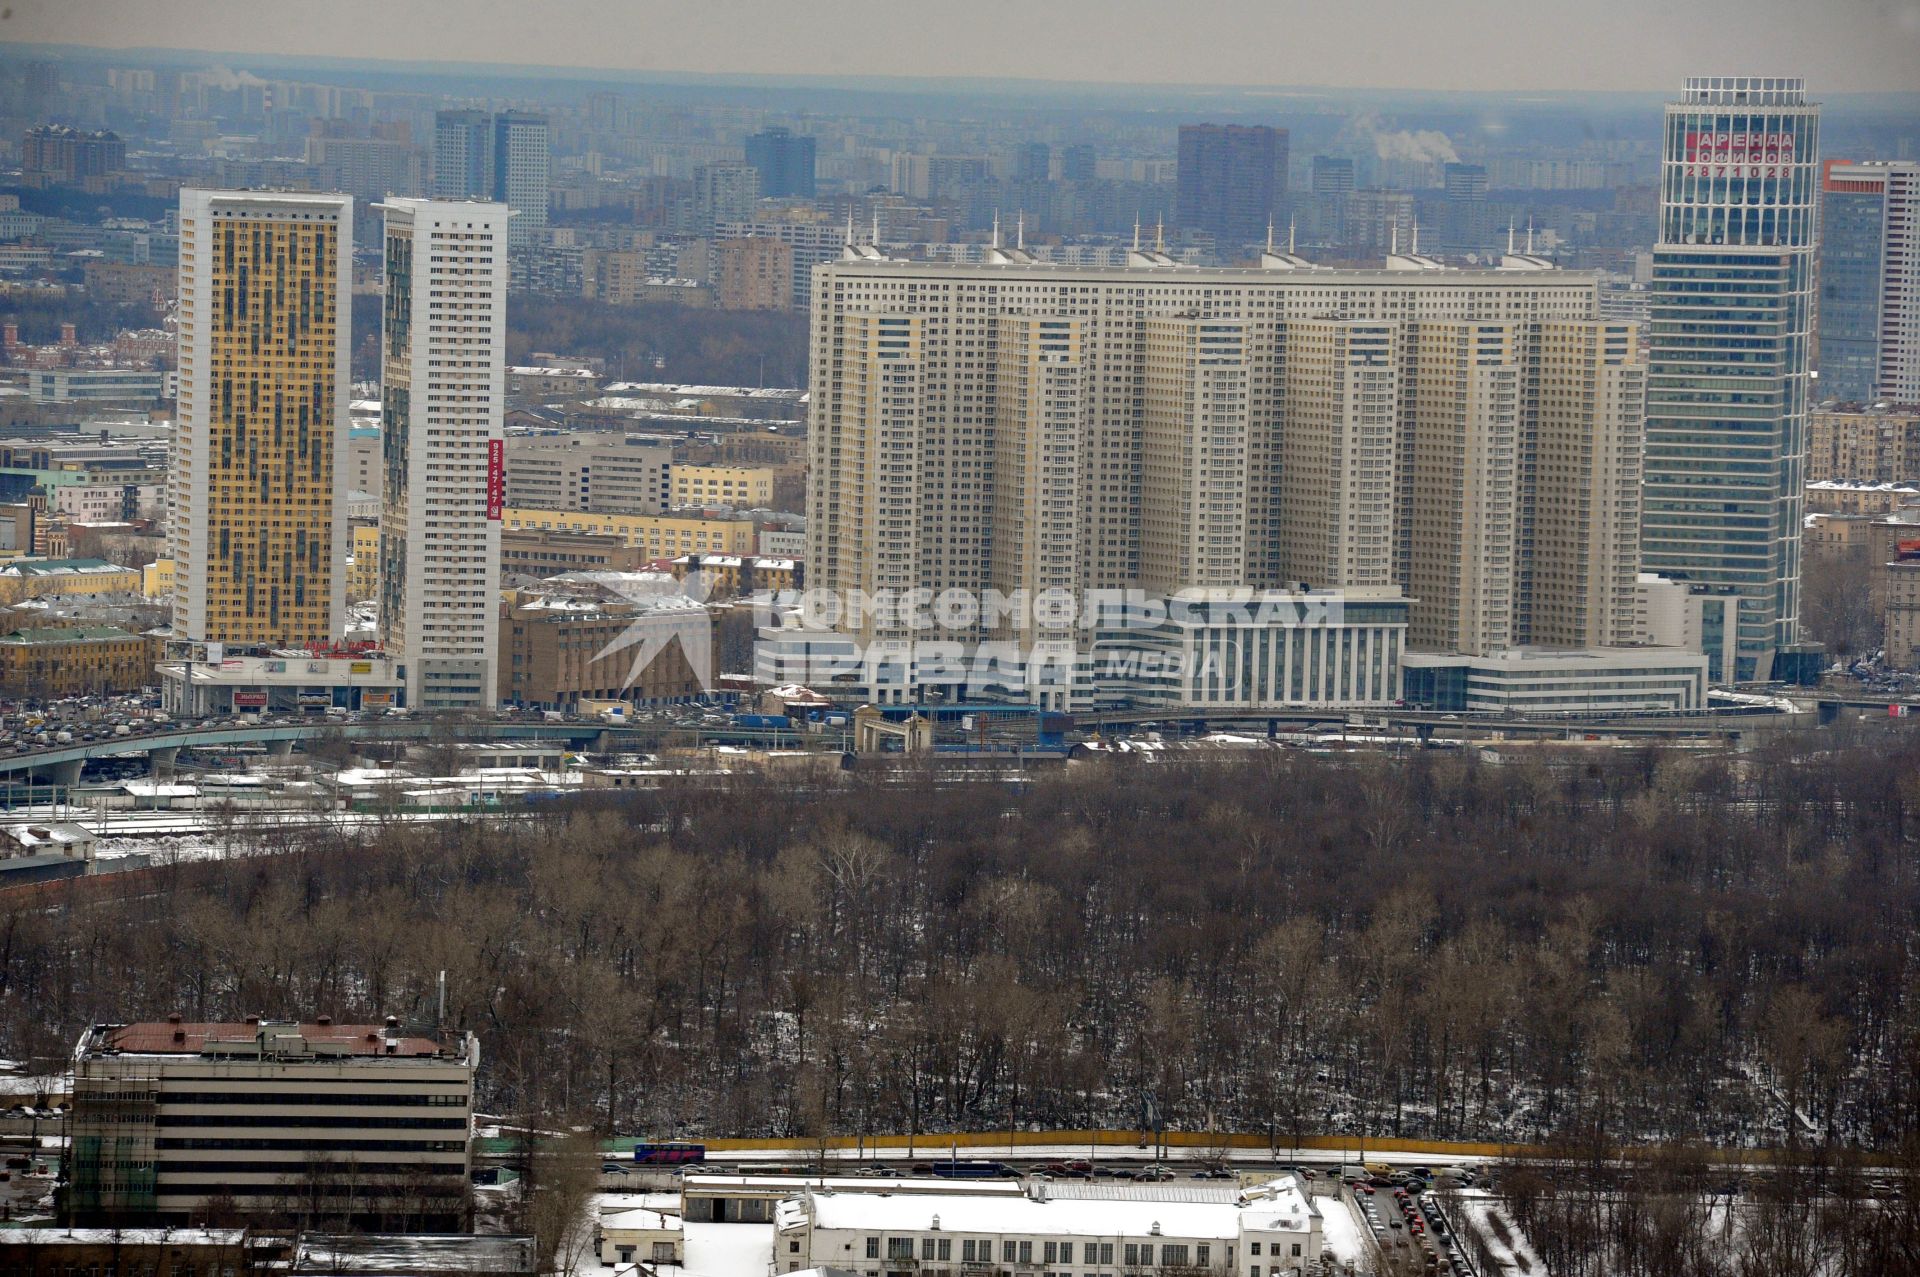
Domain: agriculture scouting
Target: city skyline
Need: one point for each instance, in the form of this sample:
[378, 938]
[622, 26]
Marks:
[1871, 44]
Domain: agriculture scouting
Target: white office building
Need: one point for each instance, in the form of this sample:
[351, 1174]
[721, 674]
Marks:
[1272, 1230]
[443, 349]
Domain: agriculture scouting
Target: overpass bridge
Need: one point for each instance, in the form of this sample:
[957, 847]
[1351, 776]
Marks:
[61, 764]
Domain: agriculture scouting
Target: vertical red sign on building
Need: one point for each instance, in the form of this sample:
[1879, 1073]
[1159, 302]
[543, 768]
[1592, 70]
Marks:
[496, 478]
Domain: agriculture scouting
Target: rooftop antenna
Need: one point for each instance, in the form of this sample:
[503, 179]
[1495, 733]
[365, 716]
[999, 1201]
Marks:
[1136, 230]
[1269, 234]
[1393, 238]
[1416, 237]
[1160, 233]
[1290, 222]
[1020, 230]
[1509, 236]
[996, 228]
[1529, 234]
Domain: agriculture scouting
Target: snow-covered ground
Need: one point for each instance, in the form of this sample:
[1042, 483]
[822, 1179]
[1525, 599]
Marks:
[1341, 1233]
[1513, 1255]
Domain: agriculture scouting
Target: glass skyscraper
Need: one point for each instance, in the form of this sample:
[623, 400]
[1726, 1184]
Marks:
[785, 160]
[1870, 281]
[1727, 385]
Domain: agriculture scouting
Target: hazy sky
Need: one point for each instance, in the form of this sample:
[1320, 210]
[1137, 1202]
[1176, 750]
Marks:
[1838, 45]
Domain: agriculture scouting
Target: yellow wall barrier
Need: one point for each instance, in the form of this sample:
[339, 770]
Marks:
[1447, 1152]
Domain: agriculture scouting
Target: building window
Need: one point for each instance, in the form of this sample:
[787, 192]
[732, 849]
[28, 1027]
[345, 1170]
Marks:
[873, 1248]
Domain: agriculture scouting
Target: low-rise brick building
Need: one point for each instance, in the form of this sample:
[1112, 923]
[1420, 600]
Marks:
[557, 652]
[68, 661]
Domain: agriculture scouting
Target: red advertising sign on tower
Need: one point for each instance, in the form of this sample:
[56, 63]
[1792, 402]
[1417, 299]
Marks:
[1738, 154]
[496, 478]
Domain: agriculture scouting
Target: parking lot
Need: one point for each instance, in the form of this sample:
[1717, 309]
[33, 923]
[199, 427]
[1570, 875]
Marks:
[1407, 1220]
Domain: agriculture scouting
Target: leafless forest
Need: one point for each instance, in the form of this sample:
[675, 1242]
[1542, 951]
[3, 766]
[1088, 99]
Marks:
[1627, 946]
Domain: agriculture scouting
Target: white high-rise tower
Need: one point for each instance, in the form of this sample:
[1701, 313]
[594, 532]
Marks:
[443, 374]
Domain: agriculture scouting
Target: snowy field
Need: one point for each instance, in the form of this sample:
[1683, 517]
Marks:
[1504, 1239]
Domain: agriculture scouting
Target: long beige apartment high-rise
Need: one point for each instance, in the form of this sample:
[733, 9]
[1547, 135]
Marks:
[1466, 437]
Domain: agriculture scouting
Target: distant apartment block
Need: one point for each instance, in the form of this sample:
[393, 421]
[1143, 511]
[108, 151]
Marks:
[57, 153]
[785, 162]
[1232, 179]
[752, 274]
[658, 536]
[505, 158]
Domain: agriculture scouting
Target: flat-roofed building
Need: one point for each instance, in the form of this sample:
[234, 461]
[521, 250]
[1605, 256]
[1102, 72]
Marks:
[557, 652]
[659, 536]
[745, 486]
[544, 553]
[615, 474]
[1559, 681]
[367, 1120]
[1091, 1229]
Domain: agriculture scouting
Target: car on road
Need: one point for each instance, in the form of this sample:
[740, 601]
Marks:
[1155, 1174]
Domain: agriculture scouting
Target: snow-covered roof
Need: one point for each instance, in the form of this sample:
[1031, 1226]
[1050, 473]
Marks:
[1056, 1216]
[1855, 485]
[193, 1237]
